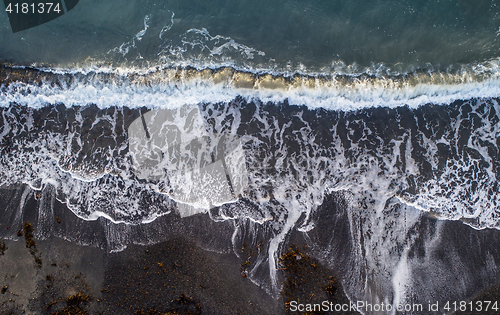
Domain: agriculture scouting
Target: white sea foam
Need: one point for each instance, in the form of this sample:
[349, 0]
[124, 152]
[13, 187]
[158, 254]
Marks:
[288, 171]
[173, 88]
[200, 67]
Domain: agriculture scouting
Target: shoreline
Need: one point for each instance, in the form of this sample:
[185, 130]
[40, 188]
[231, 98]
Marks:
[176, 275]
[191, 268]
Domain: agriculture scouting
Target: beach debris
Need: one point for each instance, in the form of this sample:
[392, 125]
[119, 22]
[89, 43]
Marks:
[182, 305]
[3, 247]
[31, 244]
[74, 304]
[28, 235]
[247, 251]
[50, 280]
[295, 263]
[305, 279]
[332, 286]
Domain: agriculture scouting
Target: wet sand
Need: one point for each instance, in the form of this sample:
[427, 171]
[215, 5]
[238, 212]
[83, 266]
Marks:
[70, 266]
[52, 272]
[175, 276]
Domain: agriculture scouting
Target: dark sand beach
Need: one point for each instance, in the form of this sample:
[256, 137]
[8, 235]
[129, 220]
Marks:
[175, 276]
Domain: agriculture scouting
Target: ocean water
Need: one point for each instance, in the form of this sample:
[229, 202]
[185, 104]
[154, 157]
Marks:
[379, 118]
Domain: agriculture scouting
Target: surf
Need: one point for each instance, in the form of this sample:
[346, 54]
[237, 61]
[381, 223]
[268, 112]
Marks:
[174, 87]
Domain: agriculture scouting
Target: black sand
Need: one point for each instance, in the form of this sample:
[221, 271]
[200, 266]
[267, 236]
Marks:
[175, 276]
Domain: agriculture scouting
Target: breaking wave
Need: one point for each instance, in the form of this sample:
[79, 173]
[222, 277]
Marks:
[264, 149]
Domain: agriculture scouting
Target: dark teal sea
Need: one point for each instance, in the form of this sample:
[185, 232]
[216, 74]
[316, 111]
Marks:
[288, 35]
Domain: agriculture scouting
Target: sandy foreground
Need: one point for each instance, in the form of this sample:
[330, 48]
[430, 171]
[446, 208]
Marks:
[175, 276]
[184, 273]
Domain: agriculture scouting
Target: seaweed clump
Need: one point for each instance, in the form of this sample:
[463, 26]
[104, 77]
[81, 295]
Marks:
[31, 244]
[184, 305]
[298, 268]
[74, 305]
[3, 247]
[248, 252]
[308, 282]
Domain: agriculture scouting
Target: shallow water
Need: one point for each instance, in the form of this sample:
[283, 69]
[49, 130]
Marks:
[287, 35]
